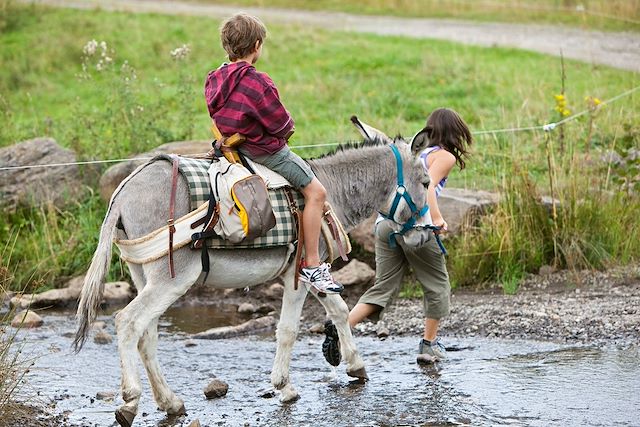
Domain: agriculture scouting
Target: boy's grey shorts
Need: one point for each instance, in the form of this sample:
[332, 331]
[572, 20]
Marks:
[427, 263]
[289, 165]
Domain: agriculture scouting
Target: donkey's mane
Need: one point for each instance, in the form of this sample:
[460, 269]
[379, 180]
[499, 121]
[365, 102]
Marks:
[350, 145]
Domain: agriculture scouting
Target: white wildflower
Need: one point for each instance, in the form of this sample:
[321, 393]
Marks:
[181, 52]
[90, 48]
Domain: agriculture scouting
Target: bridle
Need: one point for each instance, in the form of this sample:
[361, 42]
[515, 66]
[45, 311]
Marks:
[402, 193]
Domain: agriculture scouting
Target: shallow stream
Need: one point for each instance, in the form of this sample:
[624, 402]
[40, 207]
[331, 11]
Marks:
[485, 382]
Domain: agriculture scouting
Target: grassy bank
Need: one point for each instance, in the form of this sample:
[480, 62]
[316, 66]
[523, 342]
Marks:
[143, 96]
[616, 15]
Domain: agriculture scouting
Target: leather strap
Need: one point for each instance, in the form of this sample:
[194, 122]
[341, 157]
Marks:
[297, 216]
[172, 208]
[331, 221]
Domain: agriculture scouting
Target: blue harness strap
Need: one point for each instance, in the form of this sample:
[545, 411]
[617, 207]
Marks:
[402, 193]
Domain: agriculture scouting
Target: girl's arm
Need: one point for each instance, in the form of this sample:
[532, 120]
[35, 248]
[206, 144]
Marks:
[440, 163]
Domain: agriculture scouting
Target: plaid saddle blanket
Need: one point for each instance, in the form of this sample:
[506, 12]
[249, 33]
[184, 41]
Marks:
[195, 171]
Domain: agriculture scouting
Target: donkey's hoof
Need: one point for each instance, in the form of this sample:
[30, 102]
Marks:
[177, 412]
[289, 394]
[125, 416]
[361, 374]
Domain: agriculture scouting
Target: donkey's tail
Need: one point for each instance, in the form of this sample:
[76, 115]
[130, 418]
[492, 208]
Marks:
[93, 287]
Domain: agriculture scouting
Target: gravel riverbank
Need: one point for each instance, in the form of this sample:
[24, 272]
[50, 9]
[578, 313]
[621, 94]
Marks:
[587, 307]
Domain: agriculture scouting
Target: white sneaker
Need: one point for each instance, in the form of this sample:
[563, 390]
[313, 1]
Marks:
[320, 278]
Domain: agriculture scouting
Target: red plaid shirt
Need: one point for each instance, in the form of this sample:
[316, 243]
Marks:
[241, 99]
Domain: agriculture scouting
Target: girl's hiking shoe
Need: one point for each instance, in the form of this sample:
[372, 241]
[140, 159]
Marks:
[320, 278]
[431, 351]
[331, 344]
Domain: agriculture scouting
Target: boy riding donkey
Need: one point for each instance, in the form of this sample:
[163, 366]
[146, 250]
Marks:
[242, 100]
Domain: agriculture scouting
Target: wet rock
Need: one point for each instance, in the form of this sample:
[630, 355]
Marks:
[27, 319]
[246, 308]
[252, 326]
[115, 174]
[98, 325]
[363, 234]
[354, 273]
[267, 393]
[382, 331]
[265, 309]
[216, 388]
[274, 291]
[117, 292]
[114, 292]
[58, 186]
[105, 395]
[102, 337]
[317, 328]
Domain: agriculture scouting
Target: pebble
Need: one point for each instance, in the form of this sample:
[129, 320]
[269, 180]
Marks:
[216, 388]
[102, 337]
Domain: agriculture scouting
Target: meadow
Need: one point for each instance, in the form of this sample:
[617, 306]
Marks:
[144, 86]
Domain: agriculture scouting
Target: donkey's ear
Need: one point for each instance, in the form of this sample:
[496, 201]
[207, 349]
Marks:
[369, 132]
[419, 141]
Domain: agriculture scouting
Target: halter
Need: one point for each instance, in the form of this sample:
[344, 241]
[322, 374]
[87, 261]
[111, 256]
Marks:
[402, 193]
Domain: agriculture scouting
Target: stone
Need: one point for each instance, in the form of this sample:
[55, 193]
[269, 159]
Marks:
[317, 328]
[105, 395]
[195, 423]
[102, 337]
[56, 185]
[362, 234]
[462, 207]
[265, 309]
[114, 293]
[98, 325]
[261, 324]
[27, 319]
[246, 308]
[216, 388]
[382, 331]
[354, 273]
[274, 291]
[190, 343]
[115, 174]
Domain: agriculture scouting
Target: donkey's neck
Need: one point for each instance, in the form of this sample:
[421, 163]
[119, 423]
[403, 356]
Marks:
[358, 182]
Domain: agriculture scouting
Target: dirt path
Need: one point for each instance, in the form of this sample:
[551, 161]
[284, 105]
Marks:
[620, 50]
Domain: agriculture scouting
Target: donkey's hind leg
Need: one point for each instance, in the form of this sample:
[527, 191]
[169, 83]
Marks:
[131, 323]
[292, 302]
[338, 312]
[165, 398]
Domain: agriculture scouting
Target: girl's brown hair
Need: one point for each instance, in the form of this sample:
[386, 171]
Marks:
[445, 128]
[239, 34]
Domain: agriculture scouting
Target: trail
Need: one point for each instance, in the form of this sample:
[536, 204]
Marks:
[619, 50]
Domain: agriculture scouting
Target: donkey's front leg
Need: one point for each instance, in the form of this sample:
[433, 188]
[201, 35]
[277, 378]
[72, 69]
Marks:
[292, 302]
[338, 312]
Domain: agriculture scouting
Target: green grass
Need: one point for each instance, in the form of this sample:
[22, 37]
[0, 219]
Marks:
[323, 78]
[595, 14]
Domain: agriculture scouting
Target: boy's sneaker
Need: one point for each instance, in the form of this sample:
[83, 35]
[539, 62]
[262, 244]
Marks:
[320, 278]
[431, 351]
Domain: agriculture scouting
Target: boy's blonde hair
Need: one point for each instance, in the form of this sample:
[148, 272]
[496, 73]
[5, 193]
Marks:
[239, 34]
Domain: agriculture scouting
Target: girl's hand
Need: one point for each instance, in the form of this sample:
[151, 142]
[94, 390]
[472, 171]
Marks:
[440, 222]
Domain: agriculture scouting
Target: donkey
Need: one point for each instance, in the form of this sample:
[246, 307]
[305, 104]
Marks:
[359, 179]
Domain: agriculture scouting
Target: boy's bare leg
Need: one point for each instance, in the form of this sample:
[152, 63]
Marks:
[431, 329]
[314, 197]
[360, 312]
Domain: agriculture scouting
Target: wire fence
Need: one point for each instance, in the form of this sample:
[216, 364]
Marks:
[548, 127]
